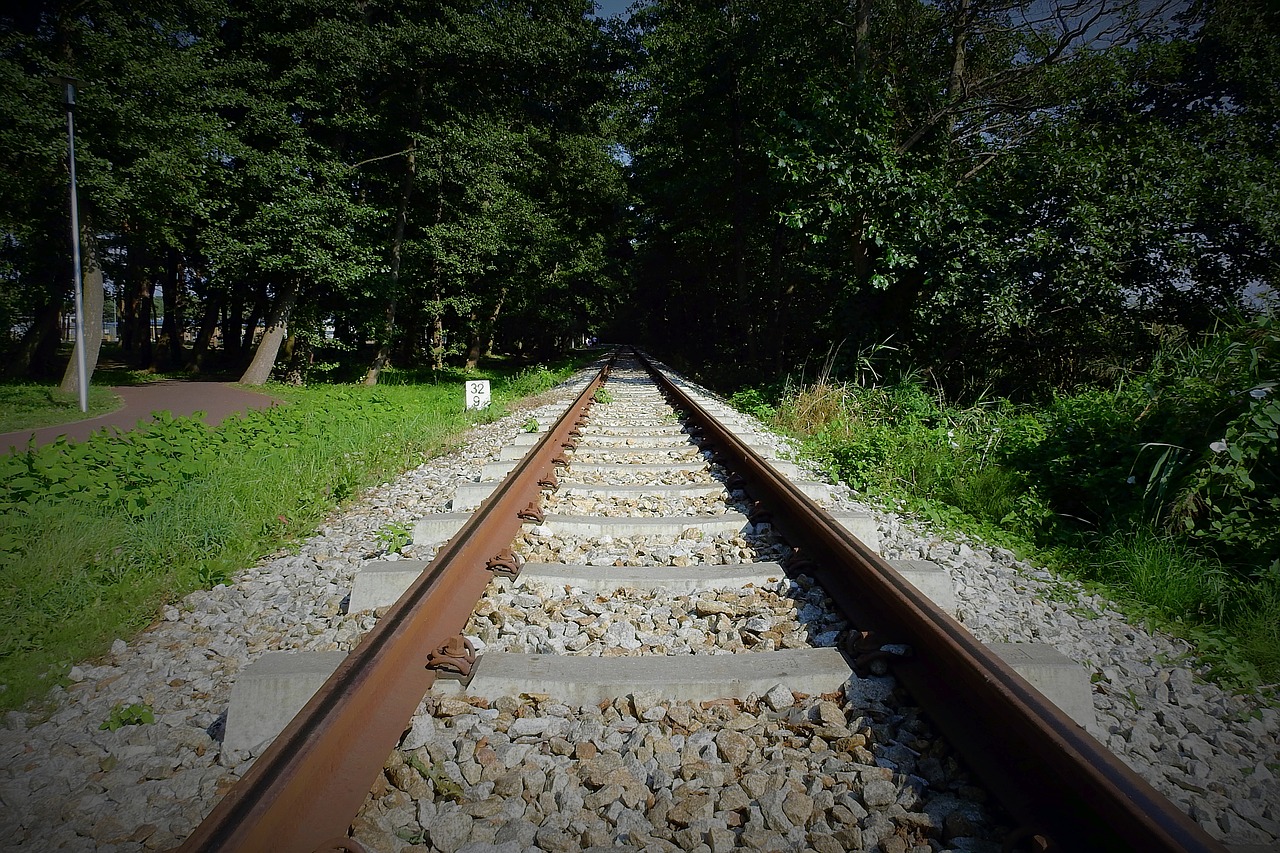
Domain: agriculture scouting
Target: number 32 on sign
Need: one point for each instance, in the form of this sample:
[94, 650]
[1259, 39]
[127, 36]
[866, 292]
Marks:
[477, 394]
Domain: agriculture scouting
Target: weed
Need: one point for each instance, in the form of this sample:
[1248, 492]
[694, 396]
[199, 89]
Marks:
[1154, 569]
[393, 537]
[412, 836]
[602, 396]
[531, 425]
[444, 784]
[753, 402]
[530, 381]
[128, 715]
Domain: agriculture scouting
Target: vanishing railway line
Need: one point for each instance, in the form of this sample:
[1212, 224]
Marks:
[596, 550]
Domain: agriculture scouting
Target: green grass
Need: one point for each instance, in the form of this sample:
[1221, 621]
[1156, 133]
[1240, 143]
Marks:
[32, 406]
[1072, 484]
[96, 536]
[1162, 574]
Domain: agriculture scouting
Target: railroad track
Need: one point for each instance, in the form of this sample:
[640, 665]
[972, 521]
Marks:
[629, 538]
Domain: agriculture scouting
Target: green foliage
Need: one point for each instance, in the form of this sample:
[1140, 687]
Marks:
[1160, 572]
[128, 715]
[530, 381]
[393, 537]
[442, 167]
[602, 396]
[531, 425]
[93, 536]
[1010, 201]
[1163, 487]
[131, 472]
[753, 402]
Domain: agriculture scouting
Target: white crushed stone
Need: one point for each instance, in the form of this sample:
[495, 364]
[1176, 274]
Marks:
[833, 773]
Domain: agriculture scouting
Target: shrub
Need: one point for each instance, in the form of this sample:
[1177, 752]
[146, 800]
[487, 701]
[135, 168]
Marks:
[1166, 486]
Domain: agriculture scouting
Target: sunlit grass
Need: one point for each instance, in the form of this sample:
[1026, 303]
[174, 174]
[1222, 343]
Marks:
[75, 574]
[32, 406]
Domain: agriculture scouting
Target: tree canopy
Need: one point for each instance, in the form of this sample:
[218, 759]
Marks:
[423, 176]
[1007, 193]
[1019, 195]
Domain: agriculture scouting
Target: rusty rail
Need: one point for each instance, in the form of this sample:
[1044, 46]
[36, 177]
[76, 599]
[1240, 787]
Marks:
[302, 793]
[1063, 785]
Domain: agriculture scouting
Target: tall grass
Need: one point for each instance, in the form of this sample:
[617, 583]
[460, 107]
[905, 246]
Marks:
[1161, 573]
[177, 506]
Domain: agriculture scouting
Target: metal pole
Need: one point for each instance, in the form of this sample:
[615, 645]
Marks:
[77, 279]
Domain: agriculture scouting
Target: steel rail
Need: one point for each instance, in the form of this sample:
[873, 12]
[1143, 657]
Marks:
[302, 793]
[1052, 776]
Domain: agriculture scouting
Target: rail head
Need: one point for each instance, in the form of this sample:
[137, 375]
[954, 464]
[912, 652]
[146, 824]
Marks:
[1046, 770]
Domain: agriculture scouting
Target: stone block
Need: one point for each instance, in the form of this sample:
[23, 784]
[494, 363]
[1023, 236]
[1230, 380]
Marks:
[815, 491]
[496, 470]
[861, 525]
[685, 678]
[590, 525]
[931, 580]
[468, 496]
[269, 692]
[1063, 682]
[512, 452]
[380, 584]
[437, 528]
[681, 581]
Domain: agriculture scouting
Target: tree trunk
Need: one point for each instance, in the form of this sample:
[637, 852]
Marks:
[783, 290]
[491, 329]
[233, 324]
[127, 304]
[40, 342]
[437, 337]
[437, 306]
[92, 318]
[144, 306]
[298, 357]
[264, 357]
[397, 245]
[738, 215]
[208, 323]
[861, 42]
[473, 341]
[174, 303]
[256, 313]
[955, 80]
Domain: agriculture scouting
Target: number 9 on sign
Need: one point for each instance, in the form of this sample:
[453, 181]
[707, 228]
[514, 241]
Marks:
[477, 394]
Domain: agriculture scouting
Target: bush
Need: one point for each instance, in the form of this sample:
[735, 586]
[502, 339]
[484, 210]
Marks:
[1165, 486]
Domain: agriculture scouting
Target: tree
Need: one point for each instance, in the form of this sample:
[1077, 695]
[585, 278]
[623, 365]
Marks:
[971, 179]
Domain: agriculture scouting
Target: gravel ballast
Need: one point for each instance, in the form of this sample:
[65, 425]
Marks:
[861, 770]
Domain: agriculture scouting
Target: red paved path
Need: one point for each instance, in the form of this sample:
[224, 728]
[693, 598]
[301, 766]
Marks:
[179, 397]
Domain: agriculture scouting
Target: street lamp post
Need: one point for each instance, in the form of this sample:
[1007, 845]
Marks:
[69, 90]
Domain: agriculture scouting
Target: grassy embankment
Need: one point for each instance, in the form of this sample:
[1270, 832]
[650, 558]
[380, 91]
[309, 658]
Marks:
[1164, 489]
[95, 536]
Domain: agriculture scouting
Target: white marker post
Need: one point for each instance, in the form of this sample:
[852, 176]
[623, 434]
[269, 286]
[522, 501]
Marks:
[477, 394]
